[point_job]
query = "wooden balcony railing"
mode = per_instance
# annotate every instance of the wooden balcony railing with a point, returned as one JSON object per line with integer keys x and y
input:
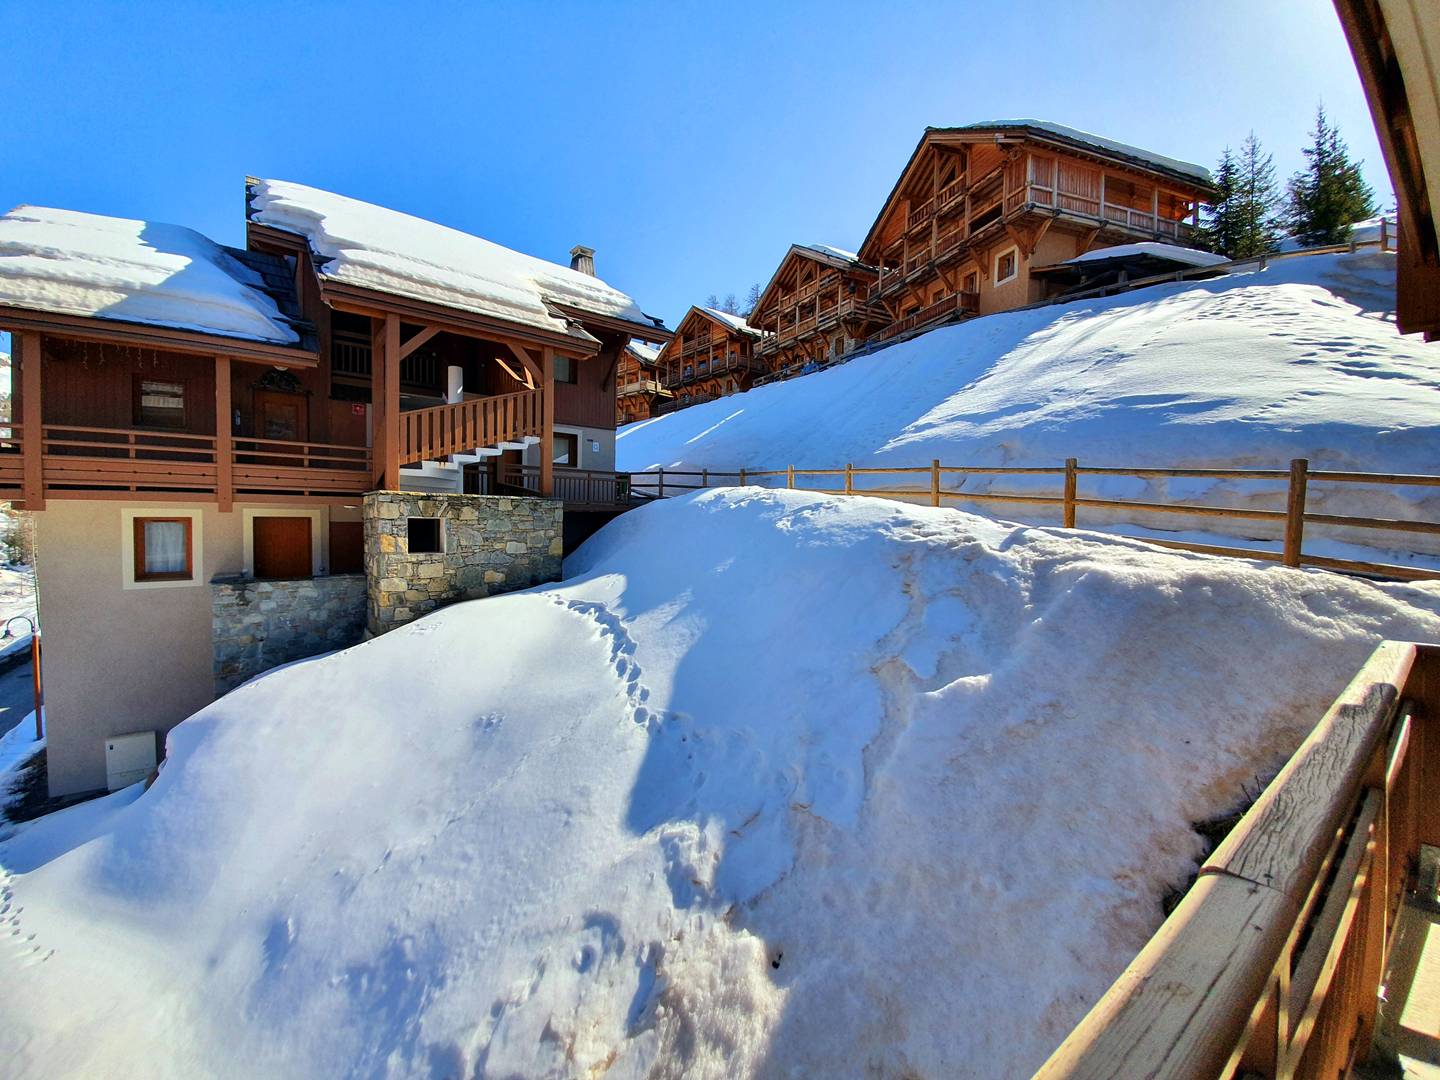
{"x": 1272, "y": 964}
{"x": 279, "y": 466}
{"x": 638, "y": 386}
{"x": 12, "y": 464}
{"x": 675, "y": 377}
{"x": 921, "y": 214}
{"x": 961, "y": 301}
{"x": 574, "y": 487}
{"x": 442, "y": 430}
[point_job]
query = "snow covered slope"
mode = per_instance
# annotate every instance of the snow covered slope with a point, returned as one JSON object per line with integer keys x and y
{"x": 1299, "y": 360}
{"x": 830, "y": 788}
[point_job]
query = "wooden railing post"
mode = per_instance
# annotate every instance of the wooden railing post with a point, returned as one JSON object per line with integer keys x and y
{"x": 1295, "y": 512}
{"x": 1071, "y": 465}
{"x": 790, "y": 476}
{"x": 935, "y": 482}
{"x": 742, "y": 477}
{"x": 32, "y": 431}
{"x": 849, "y": 478}
{"x": 704, "y": 478}
{"x": 547, "y": 423}
{"x": 224, "y": 432}
{"x": 660, "y": 482}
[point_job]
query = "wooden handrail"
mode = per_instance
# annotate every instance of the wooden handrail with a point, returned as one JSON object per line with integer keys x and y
{"x": 442, "y": 430}
{"x": 1272, "y": 962}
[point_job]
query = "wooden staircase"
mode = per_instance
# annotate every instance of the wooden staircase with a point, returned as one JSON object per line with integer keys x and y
{"x": 508, "y": 421}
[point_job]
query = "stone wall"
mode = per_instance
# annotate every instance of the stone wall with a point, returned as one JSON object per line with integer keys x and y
{"x": 490, "y": 544}
{"x": 258, "y": 625}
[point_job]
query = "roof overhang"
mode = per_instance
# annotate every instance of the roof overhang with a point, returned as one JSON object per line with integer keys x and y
{"x": 645, "y": 332}
{"x": 118, "y": 332}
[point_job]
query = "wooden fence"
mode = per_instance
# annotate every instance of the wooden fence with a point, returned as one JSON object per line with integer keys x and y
{"x": 1271, "y": 965}
{"x": 1292, "y": 517}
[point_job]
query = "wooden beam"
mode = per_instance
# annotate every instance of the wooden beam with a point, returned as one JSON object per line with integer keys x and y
{"x": 523, "y": 376}
{"x": 528, "y": 363}
{"x": 412, "y": 343}
{"x": 31, "y": 419}
{"x": 224, "y": 431}
{"x": 547, "y": 423}
{"x": 391, "y": 389}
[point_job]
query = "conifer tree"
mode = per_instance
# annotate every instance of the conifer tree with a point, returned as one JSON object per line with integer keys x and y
{"x": 1257, "y": 195}
{"x": 752, "y": 299}
{"x": 1217, "y": 233}
{"x": 713, "y": 302}
{"x": 731, "y": 306}
{"x": 1329, "y": 194}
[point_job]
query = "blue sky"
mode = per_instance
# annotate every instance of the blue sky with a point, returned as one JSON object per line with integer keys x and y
{"x": 689, "y": 144}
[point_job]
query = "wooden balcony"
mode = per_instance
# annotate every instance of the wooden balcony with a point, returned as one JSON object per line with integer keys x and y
{"x": 673, "y": 377}
{"x": 638, "y": 386}
{"x": 443, "y": 430}
{"x": 956, "y": 302}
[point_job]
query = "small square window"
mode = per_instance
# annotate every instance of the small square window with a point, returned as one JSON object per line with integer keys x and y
{"x": 565, "y": 450}
{"x": 164, "y": 550}
{"x": 1007, "y": 265}
{"x": 424, "y": 536}
{"x": 564, "y": 369}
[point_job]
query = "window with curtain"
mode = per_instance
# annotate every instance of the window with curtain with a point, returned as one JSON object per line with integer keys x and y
{"x": 163, "y": 549}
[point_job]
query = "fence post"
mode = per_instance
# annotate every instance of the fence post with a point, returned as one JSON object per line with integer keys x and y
{"x": 1384, "y": 233}
{"x": 849, "y": 478}
{"x": 660, "y": 483}
{"x": 742, "y": 477}
{"x": 790, "y": 476}
{"x": 704, "y": 478}
{"x": 1071, "y": 464}
{"x": 1295, "y": 511}
{"x": 934, "y": 481}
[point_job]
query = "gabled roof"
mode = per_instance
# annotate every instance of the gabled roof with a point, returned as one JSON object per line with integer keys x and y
{"x": 645, "y": 354}
{"x": 1184, "y": 172}
{"x": 65, "y": 262}
{"x": 836, "y": 258}
{"x": 733, "y": 323}
{"x": 359, "y": 244}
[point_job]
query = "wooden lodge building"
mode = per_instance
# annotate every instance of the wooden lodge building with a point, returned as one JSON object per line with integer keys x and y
{"x": 637, "y": 383}
{"x": 240, "y": 457}
{"x": 983, "y": 218}
{"x": 818, "y": 305}
{"x": 711, "y": 356}
{"x": 978, "y": 208}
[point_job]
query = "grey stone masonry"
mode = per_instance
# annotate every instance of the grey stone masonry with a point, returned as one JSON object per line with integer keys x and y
{"x": 258, "y": 625}
{"x": 488, "y": 544}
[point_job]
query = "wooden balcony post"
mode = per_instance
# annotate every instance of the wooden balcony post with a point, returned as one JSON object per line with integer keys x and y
{"x": 849, "y": 478}
{"x": 1295, "y": 512}
{"x": 547, "y": 423}
{"x": 32, "y": 421}
{"x": 224, "y": 430}
{"x": 392, "y": 403}
{"x": 1071, "y": 465}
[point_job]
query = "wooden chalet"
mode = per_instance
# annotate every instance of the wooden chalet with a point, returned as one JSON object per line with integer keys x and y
{"x": 819, "y": 304}
{"x": 975, "y": 207}
{"x": 711, "y": 356}
{"x": 186, "y": 412}
{"x": 637, "y": 383}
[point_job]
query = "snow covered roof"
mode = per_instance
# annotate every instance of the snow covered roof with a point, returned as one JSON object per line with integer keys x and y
{"x": 1149, "y": 158}
{"x": 833, "y": 252}
{"x": 646, "y": 354}
{"x": 358, "y": 243}
{"x": 735, "y": 322}
{"x": 1172, "y": 252}
{"x": 72, "y": 263}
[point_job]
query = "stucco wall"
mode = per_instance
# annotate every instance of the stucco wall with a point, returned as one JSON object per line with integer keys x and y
{"x": 120, "y": 659}
{"x": 601, "y": 460}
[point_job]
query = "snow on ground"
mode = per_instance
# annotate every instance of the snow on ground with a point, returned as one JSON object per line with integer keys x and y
{"x": 362, "y": 244}
{"x": 1299, "y": 360}
{"x": 773, "y": 784}
{"x": 137, "y": 271}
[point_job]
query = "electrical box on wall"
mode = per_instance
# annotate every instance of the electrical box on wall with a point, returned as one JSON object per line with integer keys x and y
{"x": 129, "y": 759}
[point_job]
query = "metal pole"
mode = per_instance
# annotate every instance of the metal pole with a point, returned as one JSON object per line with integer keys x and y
{"x": 35, "y": 677}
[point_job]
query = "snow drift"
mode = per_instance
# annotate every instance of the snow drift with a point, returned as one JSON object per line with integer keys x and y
{"x": 1299, "y": 360}
{"x": 774, "y": 784}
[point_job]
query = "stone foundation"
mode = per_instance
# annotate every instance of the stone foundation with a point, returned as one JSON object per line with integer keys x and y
{"x": 258, "y": 625}
{"x": 489, "y": 544}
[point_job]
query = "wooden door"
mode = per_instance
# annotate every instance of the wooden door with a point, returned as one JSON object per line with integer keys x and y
{"x": 282, "y": 416}
{"x": 347, "y": 547}
{"x": 282, "y": 547}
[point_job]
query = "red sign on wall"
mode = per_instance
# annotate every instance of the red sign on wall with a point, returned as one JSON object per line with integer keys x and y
{"x": 358, "y": 410}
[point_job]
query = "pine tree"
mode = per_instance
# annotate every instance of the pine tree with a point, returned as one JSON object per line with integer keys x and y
{"x": 1254, "y": 204}
{"x": 1329, "y": 194}
{"x": 1217, "y": 233}
{"x": 752, "y": 300}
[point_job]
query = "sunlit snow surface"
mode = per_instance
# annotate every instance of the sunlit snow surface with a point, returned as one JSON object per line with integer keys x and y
{"x": 773, "y": 784}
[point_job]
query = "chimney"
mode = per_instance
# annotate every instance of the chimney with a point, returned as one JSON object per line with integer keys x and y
{"x": 582, "y": 258}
